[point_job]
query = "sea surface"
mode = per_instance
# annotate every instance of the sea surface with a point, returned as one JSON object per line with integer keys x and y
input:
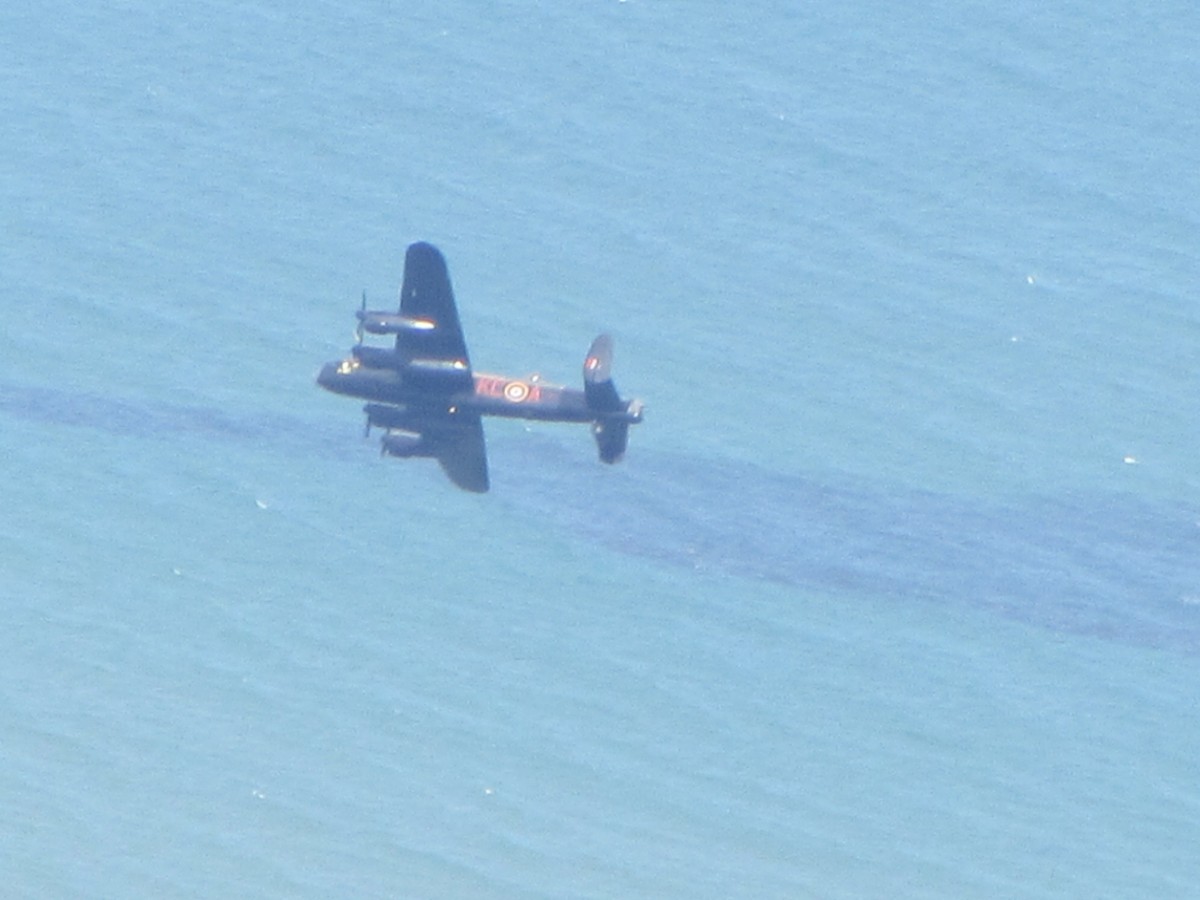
{"x": 896, "y": 594}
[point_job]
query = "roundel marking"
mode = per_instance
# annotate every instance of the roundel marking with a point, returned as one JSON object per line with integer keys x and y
{"x": 516, "y": 391}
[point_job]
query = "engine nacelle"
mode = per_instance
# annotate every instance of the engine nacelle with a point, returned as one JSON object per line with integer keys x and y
{"x": 405, "y": 444}
{"x": 447, "y": 375}
{"x": 377, "y": 322}
{"x": 381, "y": 415}
{"x": 377, "y": 357}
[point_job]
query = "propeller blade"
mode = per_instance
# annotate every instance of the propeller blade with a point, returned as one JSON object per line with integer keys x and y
{"x": 358, "y": 329}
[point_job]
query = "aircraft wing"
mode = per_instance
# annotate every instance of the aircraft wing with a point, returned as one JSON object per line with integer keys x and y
{"x": 426, "y": 294}
{"x": 453, "y": 438}
{"x": 463, "y": 454}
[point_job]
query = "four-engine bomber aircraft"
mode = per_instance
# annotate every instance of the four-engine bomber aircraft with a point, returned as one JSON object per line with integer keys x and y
{"x": 425, "y": 396}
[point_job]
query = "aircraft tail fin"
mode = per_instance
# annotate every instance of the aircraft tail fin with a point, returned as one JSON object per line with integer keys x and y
{"x": 598, "y": 385}
{"x": 613, "y": 415}
{"x": 612, "y": 437}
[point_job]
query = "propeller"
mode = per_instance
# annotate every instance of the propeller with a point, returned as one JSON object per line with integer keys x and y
{"x": 362, "y": 311}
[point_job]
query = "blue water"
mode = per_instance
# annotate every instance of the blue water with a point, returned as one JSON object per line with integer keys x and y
{"x": 896, "y": 594}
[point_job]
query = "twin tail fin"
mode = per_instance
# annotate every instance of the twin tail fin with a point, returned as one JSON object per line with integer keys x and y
{"x": 611, "y": 425}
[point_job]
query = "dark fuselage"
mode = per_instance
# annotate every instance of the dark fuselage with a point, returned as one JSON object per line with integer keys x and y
{"x": 459, "y": 390}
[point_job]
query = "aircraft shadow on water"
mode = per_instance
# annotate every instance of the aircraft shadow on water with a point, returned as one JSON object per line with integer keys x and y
{"x": 1107, "y": 565}
{"x": 424, "y": 395}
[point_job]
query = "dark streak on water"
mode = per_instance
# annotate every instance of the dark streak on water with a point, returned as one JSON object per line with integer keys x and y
{"x": 1110, "y": 566}
{"x": 163, "y": 420}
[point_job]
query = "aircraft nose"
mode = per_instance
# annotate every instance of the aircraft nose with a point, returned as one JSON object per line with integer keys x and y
{"x": 327, "y": 376}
